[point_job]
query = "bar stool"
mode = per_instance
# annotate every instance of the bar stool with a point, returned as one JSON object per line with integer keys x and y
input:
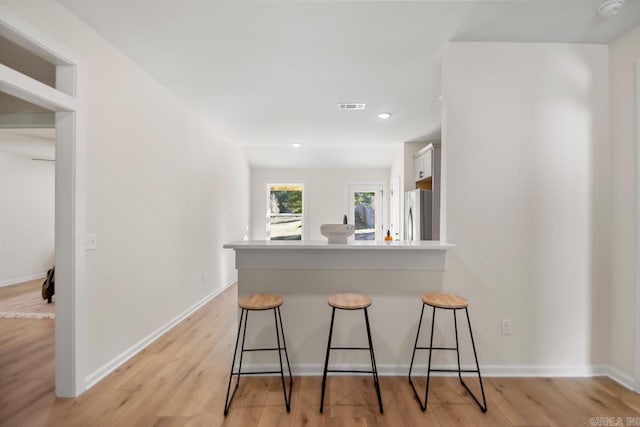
{"x": 454, "y": 303}
{"x": 259, "y": 302}
{"x": 350, "y": 302}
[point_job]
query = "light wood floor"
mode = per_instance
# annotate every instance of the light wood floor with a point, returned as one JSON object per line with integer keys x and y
{"x": 32, "y": 286}
{"x": 26, "y": 357}
{"x": 180, "y": 380}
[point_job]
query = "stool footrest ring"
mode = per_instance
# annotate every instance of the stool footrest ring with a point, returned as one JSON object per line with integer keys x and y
{"x": 437, "y": 348}
{"x": 350, "y": 348}
{"x": 255, "y": 373}
{"x": 349, "y": 371}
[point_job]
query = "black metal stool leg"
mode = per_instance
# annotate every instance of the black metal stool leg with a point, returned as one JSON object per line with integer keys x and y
{"x": 455, "y": 327}
{"x": 413, "y": 356}
{"x": 284, "y": 345}
{"x": 415, "y": 346}
{"x": 374, "y": 368}
{"x": 326, "y": 360}
{"x": 426, "y": 395}
{"x": 475, "y": 355}
{"x": 227, "y": 401}
{"x": 244, "y": 334}
{"x": 284, "y": 389}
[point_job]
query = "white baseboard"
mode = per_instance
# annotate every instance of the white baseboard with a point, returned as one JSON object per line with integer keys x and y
{"x": 383, "y": 369}
{"x": 543, "y": 371}
{"x": 22, "y": 279}
{"x": 111, "y": 366}
{"x": 622, "y": 379}
{"x": 486, "y": 370}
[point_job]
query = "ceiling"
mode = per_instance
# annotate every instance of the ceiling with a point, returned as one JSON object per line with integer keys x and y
{"x": 270, "y": 74}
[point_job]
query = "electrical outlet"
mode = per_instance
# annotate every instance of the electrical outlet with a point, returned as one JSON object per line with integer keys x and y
{"x": 505, "y": 327}
{"x": 90, "y": 242}
{"x": 204, "y": 276}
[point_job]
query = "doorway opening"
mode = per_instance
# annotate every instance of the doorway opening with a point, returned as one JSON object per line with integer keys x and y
{"x": 365, "y": 210}
{"x": 27, "y": 254}
{"x": 65, "y": 98}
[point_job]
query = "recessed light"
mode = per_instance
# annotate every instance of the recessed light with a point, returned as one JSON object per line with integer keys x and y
{"x": 296, "y": 145}
{"x": 440, "y": 98}
{"x": 384, "y": 115}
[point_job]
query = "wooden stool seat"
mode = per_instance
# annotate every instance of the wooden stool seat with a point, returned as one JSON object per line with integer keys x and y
{"x": 260, "y": 302}
{"x": 349, "y": 301}
{"x": 444, "y": 301}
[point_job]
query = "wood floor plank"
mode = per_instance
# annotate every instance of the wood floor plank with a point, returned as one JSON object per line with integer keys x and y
{"x": 407, "y": 407}
{"x": 586, "y": 403}
{"x": 513, "y": 408}
{"x": 452, "y": 415}
{"x": 181, "y": 380}
{"x": 31, "y": 286}
{"x": 273, "y": 416}
{"x": 551, "y": 406}
{"x": 307, "y": 398}
{"x": 617, "y": 391}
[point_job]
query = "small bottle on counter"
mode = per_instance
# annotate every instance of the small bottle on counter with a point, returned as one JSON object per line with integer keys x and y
{"x": 388, "y": 237}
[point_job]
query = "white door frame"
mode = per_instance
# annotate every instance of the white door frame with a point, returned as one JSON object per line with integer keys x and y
{"x": 395, "y": 208}
{"x": 637, "y": 243}
{"x": 67, "y": 100}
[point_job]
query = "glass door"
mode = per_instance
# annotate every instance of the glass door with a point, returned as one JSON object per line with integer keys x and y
{"x": 365, "y": 211}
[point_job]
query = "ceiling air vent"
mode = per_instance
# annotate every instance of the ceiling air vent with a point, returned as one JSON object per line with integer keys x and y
{"x": 351, "y": 106}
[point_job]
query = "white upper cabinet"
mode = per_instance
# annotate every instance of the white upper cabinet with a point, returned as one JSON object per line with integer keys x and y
{"x": 423, "y": 161}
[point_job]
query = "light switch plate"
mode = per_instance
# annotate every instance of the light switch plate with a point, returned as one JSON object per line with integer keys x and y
{"x": 90, "y": 242}
{"x": 506, "y": 327}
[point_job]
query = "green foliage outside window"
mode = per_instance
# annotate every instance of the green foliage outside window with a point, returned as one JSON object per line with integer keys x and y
{"x": 285, "y": 212}
{"x": 286, "y": 202}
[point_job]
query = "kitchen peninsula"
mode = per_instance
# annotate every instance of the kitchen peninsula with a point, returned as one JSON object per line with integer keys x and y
{"x": 305, "y": 273}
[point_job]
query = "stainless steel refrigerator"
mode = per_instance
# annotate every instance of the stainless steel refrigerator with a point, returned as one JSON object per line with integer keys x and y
{"x": 420, "y": 221}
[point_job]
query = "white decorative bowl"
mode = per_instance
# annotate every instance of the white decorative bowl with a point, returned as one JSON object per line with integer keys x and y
{"x": 337, "y": 233}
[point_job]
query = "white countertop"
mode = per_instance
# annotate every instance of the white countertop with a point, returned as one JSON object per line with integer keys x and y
{"x": 355, "y": 255}
{"x": 359, "y": 245}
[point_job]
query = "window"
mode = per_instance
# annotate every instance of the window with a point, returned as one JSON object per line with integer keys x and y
{"x": 284, "y": 212}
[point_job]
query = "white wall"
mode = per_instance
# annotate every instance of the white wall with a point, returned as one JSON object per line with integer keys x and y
{"x": 325, "y": 195}
{"x": 163, "y": 194}
{"x": 26, "y": 218}
{"x": 527, "y": 168}
{"x": 624, "y": 52}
